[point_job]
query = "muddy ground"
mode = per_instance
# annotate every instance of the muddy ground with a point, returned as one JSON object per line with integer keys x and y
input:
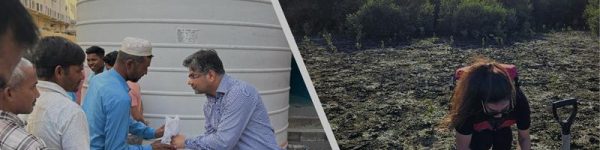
{"x": 395, "y": 97}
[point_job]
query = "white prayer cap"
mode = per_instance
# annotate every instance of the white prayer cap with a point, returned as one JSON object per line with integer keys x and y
{"x": 136, "y": 46}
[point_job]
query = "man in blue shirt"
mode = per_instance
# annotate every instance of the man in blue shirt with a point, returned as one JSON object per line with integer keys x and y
{"x": 95, "y": 60}
{"x": 107, "y": 103}
{"x": 235, "y": 115}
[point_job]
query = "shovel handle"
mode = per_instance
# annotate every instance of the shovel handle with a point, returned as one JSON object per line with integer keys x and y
{"x": 565, "y": 124}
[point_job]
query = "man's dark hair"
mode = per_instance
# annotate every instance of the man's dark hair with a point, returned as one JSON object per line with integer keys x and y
{"x": 111, "y": 58}
{"x": 95, "y": 50}
{"x": 53, "y": 51}
{"x": 15, "y": 18}
{"x": 204, "y": 60}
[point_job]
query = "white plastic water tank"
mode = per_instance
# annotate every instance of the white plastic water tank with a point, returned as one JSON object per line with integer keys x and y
{"x": 246, "y": 34}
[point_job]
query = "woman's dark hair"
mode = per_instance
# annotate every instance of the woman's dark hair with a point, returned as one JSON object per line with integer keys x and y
{"x": 53, "y": 51}
{"x": 485, "y": 81}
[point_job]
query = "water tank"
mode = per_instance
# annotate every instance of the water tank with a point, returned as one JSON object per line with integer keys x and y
{"x": 246, "y": 34}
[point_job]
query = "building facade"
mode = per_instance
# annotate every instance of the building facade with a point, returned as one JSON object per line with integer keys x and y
{"x": 53, "y": 17}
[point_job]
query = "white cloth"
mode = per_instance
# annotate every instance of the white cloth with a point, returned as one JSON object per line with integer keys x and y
{"x": 57, "y": 120}
{"x": 136, "y": 46}
{"x": 171, "y": 129}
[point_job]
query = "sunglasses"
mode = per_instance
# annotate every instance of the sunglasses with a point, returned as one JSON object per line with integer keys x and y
{"x": 491, "y": 112}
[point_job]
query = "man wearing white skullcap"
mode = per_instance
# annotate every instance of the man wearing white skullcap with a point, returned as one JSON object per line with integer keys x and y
{"x": 107, "y": 102}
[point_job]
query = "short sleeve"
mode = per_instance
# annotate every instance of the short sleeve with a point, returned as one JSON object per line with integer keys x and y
{"x": 522, "y": 111}
{"x": 134, "y": 93}
{"x": 465, "y": 128}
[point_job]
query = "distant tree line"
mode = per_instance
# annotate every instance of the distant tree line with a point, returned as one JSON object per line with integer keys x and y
{"x": 403, "y": 20}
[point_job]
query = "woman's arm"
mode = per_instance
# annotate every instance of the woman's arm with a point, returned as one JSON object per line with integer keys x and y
{"x": 462, "y": 141}
{"x": 524, "y": 140}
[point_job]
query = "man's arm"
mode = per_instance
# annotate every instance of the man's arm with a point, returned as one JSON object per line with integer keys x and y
{"x": 238, "y": 109}
{"x": 462, "y": 141}
{"x": 137, "y": 114}
{"x": 118, "y": 122}
{"x": 524, "y": 140}
{"x": 140, "y": 129}
{"x": 76, "y": 133}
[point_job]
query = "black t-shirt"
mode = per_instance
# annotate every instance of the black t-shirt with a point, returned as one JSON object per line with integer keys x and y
{"x": 487, "y": 132}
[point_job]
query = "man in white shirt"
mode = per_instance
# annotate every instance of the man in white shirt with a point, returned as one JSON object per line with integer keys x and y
{"x": 56, "y": 119}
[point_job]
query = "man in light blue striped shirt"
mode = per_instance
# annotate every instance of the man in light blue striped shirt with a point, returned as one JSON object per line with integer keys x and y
{"x": 235, "y": 115}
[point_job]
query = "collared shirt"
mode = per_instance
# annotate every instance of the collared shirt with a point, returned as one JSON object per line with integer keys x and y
{"x": 77, "y": 96}
{"x": 107, "y": 107}
{"x": 57, "y": 120}
{"x": 13, "y": 135}
{"x": 92, "y": 73}
{"x": 72, "y": 96}
{"x": 235, "y": 119}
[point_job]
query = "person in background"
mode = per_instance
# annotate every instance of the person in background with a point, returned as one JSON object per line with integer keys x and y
{"x": 95, "y": 61}
{"x": 137, "y": 110}
{"x": 485, "y": 104}
{"x": 18, "y": 97}
{"x": 109, "y": 59}
{"x": 17, "y": 33}
{"x": 95, "y": 55}
{"x": 56, "y": 119}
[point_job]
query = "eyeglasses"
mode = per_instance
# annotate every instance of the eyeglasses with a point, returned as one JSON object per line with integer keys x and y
{"x": 195, "y": 75}
{"x": 491, "y": 112}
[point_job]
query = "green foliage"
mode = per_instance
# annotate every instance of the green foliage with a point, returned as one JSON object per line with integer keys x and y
{"x": 592, "y": 16}
{"x": 380, "y": 19}
{"x": 476, "y": 19}
{"x": 306, "y": 44}
{"x": 392, "y": 20}
{"x": 368, "y": 22}
{"x": 329, "y": 40}
{"x": 357, "y": 45}
{"x": 558, "y": 14}
{"x": 309, "y": 17}
{"x": 447, "y": 9}
{"x": 518, "y": 24}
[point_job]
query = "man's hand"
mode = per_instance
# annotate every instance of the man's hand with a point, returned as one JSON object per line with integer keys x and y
{"x": 156, "y": 145}
{"x": 178, "y": 141}
{"x": 159, "y": 132}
